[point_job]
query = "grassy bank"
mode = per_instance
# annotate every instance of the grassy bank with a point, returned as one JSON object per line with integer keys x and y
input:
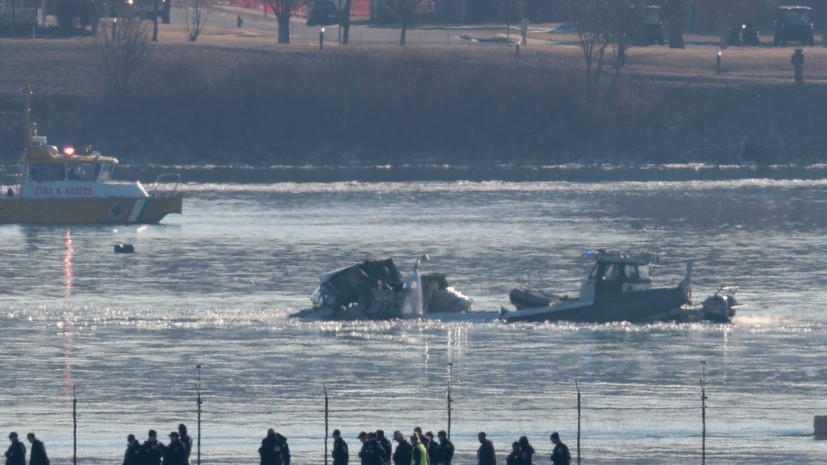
{"x": 241, "y": 99}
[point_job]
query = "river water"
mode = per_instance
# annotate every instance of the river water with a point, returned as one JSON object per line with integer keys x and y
{"x": 214, "y": 287}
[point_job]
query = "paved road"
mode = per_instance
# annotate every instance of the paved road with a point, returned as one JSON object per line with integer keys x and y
{"x": 359, "y": 33}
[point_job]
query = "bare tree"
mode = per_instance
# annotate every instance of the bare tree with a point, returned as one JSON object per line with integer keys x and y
{"x": 122, "y": 53}
{"x": 196, "y": 19}
{"x": 283, "y": 9}
{"x": 344, "y": 21}
{"x": 593, "y": 21}
{"x": 404, "y": 10}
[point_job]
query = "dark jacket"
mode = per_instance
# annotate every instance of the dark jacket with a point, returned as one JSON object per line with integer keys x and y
{"x": 402, "y": 454}
{"x": 152, "y": 452}
{"x": 285, "y": 451}
{"x": 560, "y": 455}
{"x": 37, "y": 455}
{"x": 187, "y": 442}
{"x": 433, "y": 452}
{"x": 372, "y": 453}
{"x": 16, "y": 454}
{"x": 485, "y": 454}
{"x": 513, "y": 458}
{"x": 175, "y": 454}
{"x": 270, "y": 451}
{"x": 340, "y": 454}
{"x": 526, "y": 453}
{"x": 446, "y": 452}
{"x": 386, "y": 446}
{"x": 132, "y": 454}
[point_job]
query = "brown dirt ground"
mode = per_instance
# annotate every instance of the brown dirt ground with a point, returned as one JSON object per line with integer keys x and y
{"x": 62, "y": 72}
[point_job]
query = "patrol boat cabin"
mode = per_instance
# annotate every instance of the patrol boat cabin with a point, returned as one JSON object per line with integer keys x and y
{"x": 618, "y": 288}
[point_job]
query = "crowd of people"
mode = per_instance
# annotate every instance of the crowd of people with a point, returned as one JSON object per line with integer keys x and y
{"x": 423, "y": 449}
{"x": 16, "y": 453}
{"x": 416, "y": 449}
{"x": 154, "y": 452}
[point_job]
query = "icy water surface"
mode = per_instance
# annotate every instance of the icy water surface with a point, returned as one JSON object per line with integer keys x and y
{"x": 215, "y": 287}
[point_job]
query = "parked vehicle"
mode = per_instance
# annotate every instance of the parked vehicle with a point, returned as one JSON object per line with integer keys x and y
{"x": 794, "y": 24}
{"x": 652, "y": 25}
{"x": 322, "y": 13}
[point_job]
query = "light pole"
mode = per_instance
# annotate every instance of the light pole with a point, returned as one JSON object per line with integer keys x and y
{"x": 321, "y": 38}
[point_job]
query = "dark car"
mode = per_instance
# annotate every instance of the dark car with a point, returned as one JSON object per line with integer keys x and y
{"x": 794, "y": 24}
{"x": 322, "y": 13}
{"x": 743, "y": 35}
{"x": 652, "y": 25}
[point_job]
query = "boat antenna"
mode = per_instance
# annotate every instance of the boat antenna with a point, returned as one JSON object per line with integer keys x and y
{"x": 27, "y": 93}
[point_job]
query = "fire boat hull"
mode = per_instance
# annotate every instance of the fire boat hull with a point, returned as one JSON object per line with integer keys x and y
{"x": 113, "y": 210}
{"x": 635, "y": 307}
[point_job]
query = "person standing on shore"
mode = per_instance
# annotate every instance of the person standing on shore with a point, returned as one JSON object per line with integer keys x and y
{"x": 153, "y": 450}
{"x": 386, "y": 445}
{"x": 186, "y": 439}
{"x": 526, "y": 451}
{"x": 340, "y": 453}
{"x": 560, "y": 455}
{"x": 445, "y": 448}
{"x": 514, "y": 457}
{"x": 363, "y": 436}
{"x": 176, "y": 451}
{"x": 285, "y": 449}
{"x": 372, "y": 453}
{"x": 402, "y": 454}
{"x": 132, "y": 454}
{"x": 16, "y": 453}
{"x": 37, "y": 455}
{"x": 485, "y": 454}
{"x": 433, "y": 449}
{"x": 270, "y": 450}
{"x": 419, "y": 456}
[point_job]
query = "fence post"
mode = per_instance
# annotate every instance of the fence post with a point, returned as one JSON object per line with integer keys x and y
{"x": 578, "y": 421}
{"x": 199, "y": 402}
{"x": 74, "y": 427}
{"x": 450, "y": 376}
{"x": 703, "y": 413}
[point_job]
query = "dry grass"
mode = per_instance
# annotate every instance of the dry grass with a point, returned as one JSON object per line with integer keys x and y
{"x": 238, "y": 91}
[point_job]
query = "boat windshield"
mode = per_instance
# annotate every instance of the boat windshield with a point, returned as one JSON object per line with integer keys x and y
{"x": 612, "y": 272}
{"x": 83, "y": 172}
{"x": 636, "y": 272}
{"x": 643, "y": 271}
{"x": 47, "y": 172}
{"x": 106, "y": 171}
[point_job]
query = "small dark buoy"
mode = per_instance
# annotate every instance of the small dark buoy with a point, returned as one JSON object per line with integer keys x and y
{"x": 124, "y": 248}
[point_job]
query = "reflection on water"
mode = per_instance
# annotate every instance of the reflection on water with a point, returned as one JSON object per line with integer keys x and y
{"x": 215, "y": 286}
{"x": 68, "y": 273}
